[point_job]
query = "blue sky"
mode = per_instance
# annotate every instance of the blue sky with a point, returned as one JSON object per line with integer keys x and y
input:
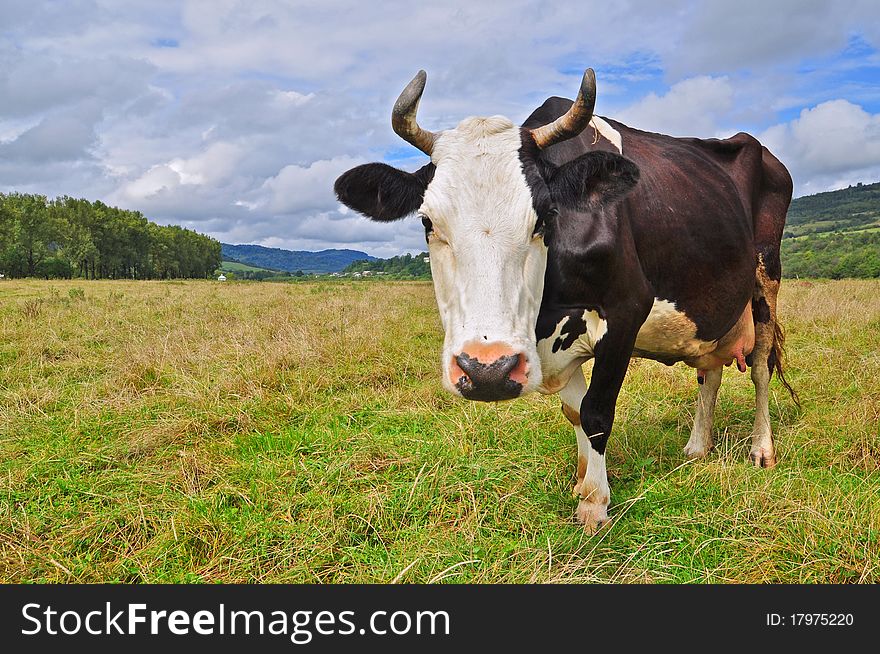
{"x": 234, "y": 118}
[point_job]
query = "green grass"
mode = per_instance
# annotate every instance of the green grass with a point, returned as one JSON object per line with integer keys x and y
{"x": 203, "y": 432}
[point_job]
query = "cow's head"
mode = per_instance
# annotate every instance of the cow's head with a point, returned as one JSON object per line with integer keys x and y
{"x": 488, "y": 203}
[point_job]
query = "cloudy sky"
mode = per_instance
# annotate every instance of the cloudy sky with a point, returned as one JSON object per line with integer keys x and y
{"x": 234, "y": 118}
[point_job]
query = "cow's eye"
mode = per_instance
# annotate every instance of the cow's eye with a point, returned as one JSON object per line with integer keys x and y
{"x": 539, "y": 227}
{"x": 541, "y": 223}
{"x": 429, "y": 226}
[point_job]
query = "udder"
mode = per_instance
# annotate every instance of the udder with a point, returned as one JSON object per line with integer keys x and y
{"x": 668, "y": 335}
{"x": 735, "y": 345}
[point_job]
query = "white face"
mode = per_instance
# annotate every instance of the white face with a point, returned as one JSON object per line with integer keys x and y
{"x": 487, "y": 265}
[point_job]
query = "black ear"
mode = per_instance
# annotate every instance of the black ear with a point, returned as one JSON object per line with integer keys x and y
{"x": 593, "y": 179}
{"x": 381, "y": 192}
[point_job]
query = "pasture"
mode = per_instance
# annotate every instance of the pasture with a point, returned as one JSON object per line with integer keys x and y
{"x": 244, "y": 432}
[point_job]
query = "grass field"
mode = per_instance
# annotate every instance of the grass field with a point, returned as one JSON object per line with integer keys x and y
{"x": 243, "y": 432}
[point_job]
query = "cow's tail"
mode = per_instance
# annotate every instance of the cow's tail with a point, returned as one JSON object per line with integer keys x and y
{"x": 776, "y": 360}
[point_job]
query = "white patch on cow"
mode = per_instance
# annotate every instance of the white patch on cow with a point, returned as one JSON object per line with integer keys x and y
{"x": 558, "y": 366}
{"x": 668, "y": 331}
{"x": 545, "y": 345}
{"x": 596, "y": 328}
{"x": 488, "y": 269}
{"x": 608, "y": 132}
{"x": 668, "y": 334}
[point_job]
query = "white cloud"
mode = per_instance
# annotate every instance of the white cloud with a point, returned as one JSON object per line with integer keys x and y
{"x": 691, "y": 107}
{"x": 833, "y": 144}
{"x": 58, "y": 137}
{"x": 235, "y": 117}
{"x": 304, "y": 189}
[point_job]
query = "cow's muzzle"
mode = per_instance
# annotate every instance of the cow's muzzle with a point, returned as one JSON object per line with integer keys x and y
{"x": 489, "y": 372}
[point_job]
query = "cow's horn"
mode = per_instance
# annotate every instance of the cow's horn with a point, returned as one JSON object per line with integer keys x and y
{"x": 575, "y": 120}
{"x": 403, "y": 116}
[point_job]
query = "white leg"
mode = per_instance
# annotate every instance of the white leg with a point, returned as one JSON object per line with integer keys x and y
{"x": 701, "y": 435}
{"x": 592, "y": 479}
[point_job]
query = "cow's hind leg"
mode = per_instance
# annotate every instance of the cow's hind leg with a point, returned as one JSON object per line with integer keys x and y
{"x": 763, "y": 359}
{"x": 766, "y": 357}
{"x": 700, "y": 441}
{"x": 592, "y": 479}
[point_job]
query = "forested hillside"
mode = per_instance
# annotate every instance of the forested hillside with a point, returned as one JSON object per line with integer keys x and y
{"x": 405, "y": 265}
{"x": 834, "y": 234}
{"x": 69, "y": 237}
{"x": 325, "y": 261}
{"x": 848, "y": 209}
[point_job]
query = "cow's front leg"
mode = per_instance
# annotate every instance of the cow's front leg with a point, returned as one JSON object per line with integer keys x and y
{"x": 612, "y": 355}
{"x": 591, "y": 482}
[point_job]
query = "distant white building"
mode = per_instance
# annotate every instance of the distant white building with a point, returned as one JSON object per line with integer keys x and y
{"x": 427, "y": 259}
{"x": 221, "y": 278}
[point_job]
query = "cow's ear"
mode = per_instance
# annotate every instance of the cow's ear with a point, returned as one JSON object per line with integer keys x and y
{"x": 381, "y": 192}
{"x": 594, "y": 179}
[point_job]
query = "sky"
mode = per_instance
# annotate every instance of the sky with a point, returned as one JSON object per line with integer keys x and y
{"x": 234, "y": 118}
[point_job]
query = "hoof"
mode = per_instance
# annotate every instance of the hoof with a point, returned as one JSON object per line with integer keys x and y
{"x": 762, "y": 458}
{"x": 592, "y": 515}
{"x": 697, "y": 450}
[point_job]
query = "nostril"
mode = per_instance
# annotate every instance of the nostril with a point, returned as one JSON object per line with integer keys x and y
{"x": 506, "y": 364}
{"x": 467, "y": 364}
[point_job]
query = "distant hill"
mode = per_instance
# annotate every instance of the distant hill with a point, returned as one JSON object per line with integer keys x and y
{"x": 325, "y": 261}
{"x": 227, "y": 265}
{"x": 237, "y": 270}
{"x": 848, "y": 209}
{"x": 834, "y": 234}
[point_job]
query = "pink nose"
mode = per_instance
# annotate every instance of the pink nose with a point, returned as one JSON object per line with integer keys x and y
{"x": 489, "y": 371}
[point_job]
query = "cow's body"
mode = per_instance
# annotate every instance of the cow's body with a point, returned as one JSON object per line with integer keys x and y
{"x": 687, "y": 269}
{"x": 683, "y": 250}
{"x": 658, "y": 247}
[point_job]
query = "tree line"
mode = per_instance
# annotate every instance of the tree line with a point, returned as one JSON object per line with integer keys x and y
{"x": 835, "y": 256}
{"x": 405, "y": 265}
{"x": 70, "y": 237}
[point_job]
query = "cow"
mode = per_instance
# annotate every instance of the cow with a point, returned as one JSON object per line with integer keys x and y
{"x": 575, "y": 237}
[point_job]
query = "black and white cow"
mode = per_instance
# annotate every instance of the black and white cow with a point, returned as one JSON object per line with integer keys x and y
{"x": 575, "y": 237}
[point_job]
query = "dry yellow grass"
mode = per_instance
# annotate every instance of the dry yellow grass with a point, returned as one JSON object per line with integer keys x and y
{"x": 169, "y": 431}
